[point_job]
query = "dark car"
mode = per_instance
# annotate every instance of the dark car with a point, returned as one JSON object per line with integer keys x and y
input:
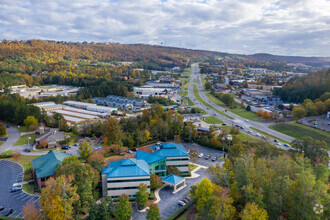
{"x": 237, "y": 126}
{"x": 8, "y": 212}
{"x": 207, "y": 157}
{"x": 242, "y": 127}
{"x": 2, "y": 207}
{"x": 286, "y": 145}
{"x": 224, "y": 124}
{"x": 65, "y": 148}
{"x": 275, "y": 140}
{"x": 15, "y": 189}
{"x": 7, "y": 126}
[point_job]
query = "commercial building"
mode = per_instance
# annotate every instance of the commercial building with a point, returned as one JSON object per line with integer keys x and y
{"x": 45, "y": 166}
{"x": 125, "y": 176}
{"x": 175, "y": 155}
{"x": 90, "y": 107}
{"x": 53, "y": 136}
{"x": 43, "y": 91}
{"x": 120, "y": 102}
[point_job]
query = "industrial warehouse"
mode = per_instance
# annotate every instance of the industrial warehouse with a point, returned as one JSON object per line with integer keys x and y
{"x": 75, "y": 112}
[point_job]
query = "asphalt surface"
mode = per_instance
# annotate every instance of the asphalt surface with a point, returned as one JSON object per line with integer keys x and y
{"x": 236, "y": 119}
{"x": 13, "y": 135}
{"x": 206, "y": 151}
{"x": 13, "y": 173}
{"x": 169, "y": 201}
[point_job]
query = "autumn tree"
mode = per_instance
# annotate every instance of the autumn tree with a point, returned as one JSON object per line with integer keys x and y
{"x": 97, "y": 161}
{"x": 203, "y": 191}
{"x": 259, "y": 112}
{"x": 85, "y": 180}
{"x": 298, "y": 112}
{"x": 155, "y": 182}
{"x": 70, "y": 160}
{"x": 17, "y": 154}
{"x": 30, "y": 211}
{"x": 3, "y": 131}
{"x": 172, "y": 170}
{"x": 85, "y": 150}
{"x": 57, "y": 198}
{"x": 123, "y": 209}
{"x": 141, "y": 196}
{"x": 265, "y": 115}
{"x": 30, "y": 121}
{"x": 43, "y": 143}
{"x": 101, "y": 210}
{"x": 252, "y": 211}
{"x": 193, "y": 155}
{"x": 153, "y": 213}
{"x": 320, "y": 107}
{"x": 313, "y": 149}
{"x": 208, "y": 85}
{"x": 112, "y": 131}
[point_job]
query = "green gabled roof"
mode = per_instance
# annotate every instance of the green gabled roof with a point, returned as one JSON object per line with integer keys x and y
{"x": 46, "y": 165}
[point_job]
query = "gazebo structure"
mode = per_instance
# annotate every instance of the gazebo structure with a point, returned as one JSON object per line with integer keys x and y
{"x": 177, "y": 182}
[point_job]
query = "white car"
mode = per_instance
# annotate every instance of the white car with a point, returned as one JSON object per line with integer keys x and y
{"x": 249, "y": 131}
{"x": 247, "y": 120}
{"x": 257, "y": 134}
{"x": 200, "y": 155}
{"x": 279, "y": 144}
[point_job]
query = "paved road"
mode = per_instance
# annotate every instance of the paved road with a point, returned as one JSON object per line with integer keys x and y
{"x": 13, "y": 135}
{"x": 169, "y": 201}
{"x": 13, "y": 173}
{"x": 236, "y": 119}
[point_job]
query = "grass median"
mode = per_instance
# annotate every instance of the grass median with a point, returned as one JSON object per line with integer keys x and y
{"x": 269, "y": 135}
{"x": 212, "y": 120}
{"x": 238, "y": 111}
{"x": 208, "y": 105}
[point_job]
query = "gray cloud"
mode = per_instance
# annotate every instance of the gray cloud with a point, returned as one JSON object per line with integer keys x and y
{"x": 287, "y": 27}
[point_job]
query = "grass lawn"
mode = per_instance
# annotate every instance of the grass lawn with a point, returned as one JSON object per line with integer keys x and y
{"x": 25, "y": 161}
{"x": 242, "y": 136}
{"x": 296, "y": 130}
{"x": 208, "y": 105}
{"x": 73, "y": 138}
{"x": 183, "y": 92}
{"x": 1, "y": 142}
{"x": 28, "y": 188}
{"x": 190, "y": 103}
{"x": 192, "y": 166}
{"x": 238, "y": 111}
{"x": 23, "y": 128}
{"x": 202, "y": 112}
{"x": 195, "y": 81}
{"x": 212, "y": 120}
{"x": 24, "y": 139}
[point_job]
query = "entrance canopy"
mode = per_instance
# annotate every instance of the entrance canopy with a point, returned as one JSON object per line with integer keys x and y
{"x": 177, "y": 182}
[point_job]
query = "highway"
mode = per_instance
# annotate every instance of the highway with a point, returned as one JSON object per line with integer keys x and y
{"x": 230, "y": 122}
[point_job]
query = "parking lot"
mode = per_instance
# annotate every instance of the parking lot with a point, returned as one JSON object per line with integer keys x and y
{"x": 206, "y": 151}
{"x": 14, "y": 200}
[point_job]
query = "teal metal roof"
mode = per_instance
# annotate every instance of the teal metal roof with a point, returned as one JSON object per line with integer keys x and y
{"x": 169, "y": 150}
{"x": 174, "y": 179}
{"x": 148, "y": 157}
{"x": 46, "y": 165}
{"x": 127, "y": 168}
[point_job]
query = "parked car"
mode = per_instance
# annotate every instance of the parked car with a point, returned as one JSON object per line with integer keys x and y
{"x": 286, "y": 145}
{"x": 181, "y": 203}
{"x": 129, "y": 151}
{"x": 279, "y": 144}
{"x": 2, "y": 207}
{"x": 15, "y": 189}
{"x": 275, "y": 140}
{"x": 214, "y": 158}
{"x": 237, "y": 126}
{"x": 207, "y": 157}
{"x": 200, "y": 155}
{"x": 257, "y": 134}
{"x": 8, "y": 212}
{"x": 188, "y": 151}
{"x": 7, "y": 126}
{"x": 224, "y": 124}
{"x": 65, "y": 147}
{"x": 242, "y": 127}
{"x": 250, "y": 131}
{"x": 247, "y": 120}
{"x": 186, "y": 200}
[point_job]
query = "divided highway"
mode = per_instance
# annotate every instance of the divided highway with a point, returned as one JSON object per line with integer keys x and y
{"x": 236, "y": 119}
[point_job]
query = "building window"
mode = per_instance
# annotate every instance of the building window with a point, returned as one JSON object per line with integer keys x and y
{"x": 121, "y": 181}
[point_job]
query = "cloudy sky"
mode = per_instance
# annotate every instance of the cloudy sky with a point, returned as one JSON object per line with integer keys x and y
{"x": 285, "y": 27}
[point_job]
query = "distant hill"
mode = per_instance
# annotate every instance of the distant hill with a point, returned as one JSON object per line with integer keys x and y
{"x": 289, "y": 59}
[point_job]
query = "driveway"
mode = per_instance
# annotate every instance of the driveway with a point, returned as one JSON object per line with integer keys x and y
{"x": 13, "y": 173}
{"x": 13, "y": 135}
{"x": 169, "y": 201}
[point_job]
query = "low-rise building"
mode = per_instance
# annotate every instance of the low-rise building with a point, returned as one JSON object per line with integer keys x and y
{"x": 52, "y": 135}
{"x": 125, "y": 176}
{"x": 120, "y": 102}
{"x": 45, "y": 166}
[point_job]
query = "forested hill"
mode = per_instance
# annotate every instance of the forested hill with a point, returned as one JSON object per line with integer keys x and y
{"x": 311, "y": 86}
{"x": 290, "y": 59}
